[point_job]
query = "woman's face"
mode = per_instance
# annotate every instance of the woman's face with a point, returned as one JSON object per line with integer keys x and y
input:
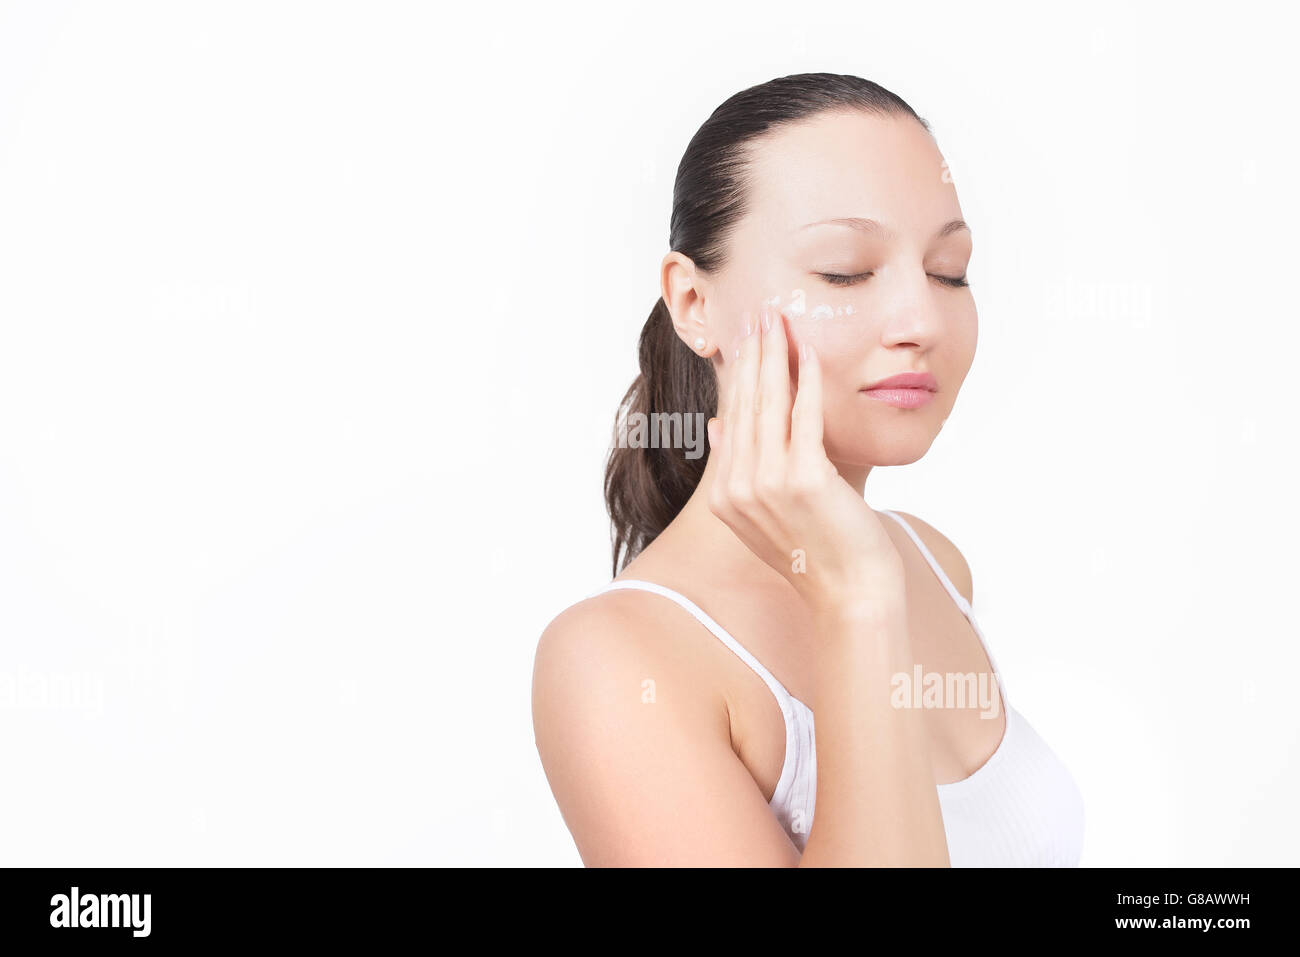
{"x": 869, "y": 199}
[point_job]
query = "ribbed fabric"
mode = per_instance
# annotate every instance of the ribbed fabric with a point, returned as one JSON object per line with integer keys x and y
{"x": 1021, "y": 808}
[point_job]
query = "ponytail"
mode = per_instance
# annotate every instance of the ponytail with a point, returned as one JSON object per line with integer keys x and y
{"x": 645, "y": 487}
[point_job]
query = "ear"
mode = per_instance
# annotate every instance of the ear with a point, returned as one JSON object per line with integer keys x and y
{"x": 680, "y": 284}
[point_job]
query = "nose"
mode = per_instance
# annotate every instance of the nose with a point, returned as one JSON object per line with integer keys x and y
{"x": 912, "y": 316}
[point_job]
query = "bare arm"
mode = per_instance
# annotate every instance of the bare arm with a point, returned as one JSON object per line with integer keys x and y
{"x": 645, "y": 775}
{"x": 877, "y": 804}
{"x": 641, "y": 779}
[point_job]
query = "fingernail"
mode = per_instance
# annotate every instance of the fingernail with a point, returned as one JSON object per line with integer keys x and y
{"x": 765, "y": 316}
{"x": 805, "y": 351}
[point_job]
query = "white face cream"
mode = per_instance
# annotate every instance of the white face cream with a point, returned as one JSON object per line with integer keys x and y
{"x": 830, "y": 328}
{"x": 796, "y": 307}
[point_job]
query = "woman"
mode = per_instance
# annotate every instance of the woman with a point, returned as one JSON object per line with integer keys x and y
{"x": 815, "y": 307}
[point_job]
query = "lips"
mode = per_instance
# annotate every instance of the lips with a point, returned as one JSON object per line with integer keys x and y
{"x": 906, "y": 380}
{"x": 907, "y": 390}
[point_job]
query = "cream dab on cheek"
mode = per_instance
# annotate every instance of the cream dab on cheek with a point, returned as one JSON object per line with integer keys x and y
{"x": 797, "y": 307}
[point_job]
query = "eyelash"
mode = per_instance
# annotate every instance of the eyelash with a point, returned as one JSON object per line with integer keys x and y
{"x": 958, "y": 282}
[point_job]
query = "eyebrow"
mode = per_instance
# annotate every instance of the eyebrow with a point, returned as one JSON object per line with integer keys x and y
{"x": 871, "y": 226}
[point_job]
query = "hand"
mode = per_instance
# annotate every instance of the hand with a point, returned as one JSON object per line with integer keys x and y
{"x": 781, "y": 495}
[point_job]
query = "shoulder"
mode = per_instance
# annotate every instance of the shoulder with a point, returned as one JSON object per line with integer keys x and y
{"x": 635, "y": 742}
{"x": 600, "y": 660}
{"x": 608, "y": 632}
{"x": 945, "y": 552}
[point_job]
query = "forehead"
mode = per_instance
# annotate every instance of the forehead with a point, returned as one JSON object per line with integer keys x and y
{"x": 850, "y": 164}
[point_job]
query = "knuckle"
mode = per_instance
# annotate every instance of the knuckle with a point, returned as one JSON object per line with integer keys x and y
{"x": 741, "y": 493}
{"x": 801, "y": 491}
{"x": 719, "y": 503}
{"x": 805, "y": 486}
{"x": 768, "y": 486}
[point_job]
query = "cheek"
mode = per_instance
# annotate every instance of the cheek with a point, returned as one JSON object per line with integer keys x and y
{"x": 833, "y": 327}
{"x": 837, "y": 337}
{"x": 961, "y": 342}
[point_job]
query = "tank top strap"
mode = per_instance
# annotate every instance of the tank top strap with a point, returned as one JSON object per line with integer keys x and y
{"x": 962, "y": 604}
{"x": 957, "y": 596}
{"x": 783, "y": 697}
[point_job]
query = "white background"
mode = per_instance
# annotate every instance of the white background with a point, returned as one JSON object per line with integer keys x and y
{"x": 314, "y": 318}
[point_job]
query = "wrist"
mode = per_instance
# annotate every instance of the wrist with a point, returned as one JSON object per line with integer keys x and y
{"x": 861, "y": 612}
{"x": 867, "y": 600}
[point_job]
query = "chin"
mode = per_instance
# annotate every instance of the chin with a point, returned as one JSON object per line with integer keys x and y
{"x": 880, "y": 444}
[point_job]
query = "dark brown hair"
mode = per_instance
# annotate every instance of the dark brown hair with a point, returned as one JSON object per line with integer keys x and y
{"x": 645, "y": 488}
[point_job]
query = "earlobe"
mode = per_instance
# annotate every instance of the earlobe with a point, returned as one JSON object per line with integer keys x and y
{"x": 693, "y": 333}
{"x": 681, "y": 298}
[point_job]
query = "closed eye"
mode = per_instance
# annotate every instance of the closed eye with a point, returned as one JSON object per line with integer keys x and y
{"x": 956, "y": 282}
{"x": 837, "y": 280}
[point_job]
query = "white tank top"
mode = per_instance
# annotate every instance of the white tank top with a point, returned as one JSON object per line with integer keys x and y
{"x": 1021, "y": 808}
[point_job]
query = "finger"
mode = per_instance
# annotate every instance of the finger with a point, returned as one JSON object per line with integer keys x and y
{"x": 714, "y": 429}
{"x": 719, "y": 456}
{"x": 806, "y": 439}
{"x": 720, "y": 501}
{"x": 774, "y": 391}
{"x": 740, "y": 425}
{"x": 728, "y": 397}
{"x": 718, "y": 448}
